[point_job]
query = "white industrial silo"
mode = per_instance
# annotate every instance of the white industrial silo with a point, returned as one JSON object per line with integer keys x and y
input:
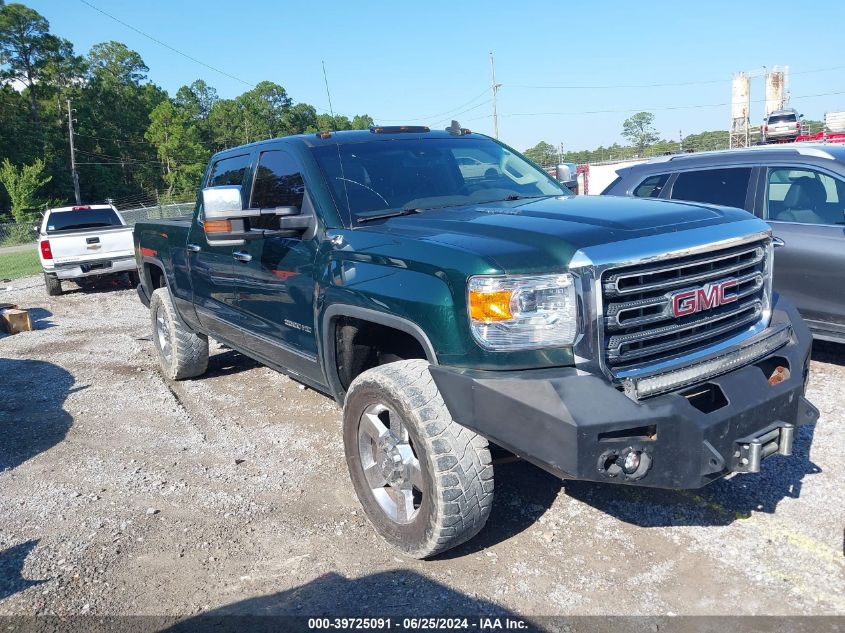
{"x": 740, "y": 104}
{"x": 775, "y": 90}
{"x": 740, "y": 96}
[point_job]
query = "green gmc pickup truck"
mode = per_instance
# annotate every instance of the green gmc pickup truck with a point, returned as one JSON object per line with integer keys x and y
{"x": 450, "y": 295}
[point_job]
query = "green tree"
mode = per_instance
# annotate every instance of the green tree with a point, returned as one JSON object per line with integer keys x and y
{"x": 178, "y": 145}
{"x": 27, "y": 48}
{"x": 22, "y": 184}
{"x": 226, "y": 124}
{"x": 113, "y": 114}
{"x": 543, "y": 154}
{"x": 337, "y": 123}
{"x": 362, "y": 122}
{"x": 301, "y": 117}
{"x": 640, "y": 131}
{"x": 197, "y": 100}
{"x": 263, "y": 111}
{"x": 114, "y": 62}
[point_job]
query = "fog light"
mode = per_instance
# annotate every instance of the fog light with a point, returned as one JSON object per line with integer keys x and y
{"x": 631, "y": 463}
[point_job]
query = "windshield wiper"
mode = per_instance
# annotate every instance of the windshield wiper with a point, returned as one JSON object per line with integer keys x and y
{"x": 516, "y": 196}
{"x": 387, "y": 214}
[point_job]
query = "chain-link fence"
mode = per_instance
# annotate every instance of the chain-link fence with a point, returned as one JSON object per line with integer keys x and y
{"x": 17, "y": 233}
{"x": 22, "y": 233}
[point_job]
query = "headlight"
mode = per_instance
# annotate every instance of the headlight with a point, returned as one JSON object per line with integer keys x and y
{"x": 522, "y": 311}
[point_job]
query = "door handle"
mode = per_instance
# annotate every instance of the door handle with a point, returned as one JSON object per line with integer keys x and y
{"x": 778, "y": 243}
{"x": 193, "y": 248}
{"x": 241, "y": 256}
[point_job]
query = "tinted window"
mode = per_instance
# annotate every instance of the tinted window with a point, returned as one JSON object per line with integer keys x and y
{"x": 651, "y": 186}
{"x": 278, "y": 182}
{"x": 804, "y": 195}
{"x": 417, "y": 173}
{"x": 782, "y": 118}
{"x": 82, "y": 219}
{"x": 714, "y": 186}
{"x": 229, "y": 171}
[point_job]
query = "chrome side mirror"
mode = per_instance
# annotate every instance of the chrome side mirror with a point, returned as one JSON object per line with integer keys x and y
{"x": 225, "y": 202}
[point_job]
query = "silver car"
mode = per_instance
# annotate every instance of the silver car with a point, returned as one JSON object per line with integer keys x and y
{"x": 781, "y": 125}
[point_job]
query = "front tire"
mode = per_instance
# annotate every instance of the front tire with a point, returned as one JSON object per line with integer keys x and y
{"x": 53, "y": 285}
{"x": 424, "y": 481}
{"x": 181, "y": 352}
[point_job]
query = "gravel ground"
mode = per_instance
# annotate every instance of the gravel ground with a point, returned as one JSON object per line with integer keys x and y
{"x": 121, "y": 493}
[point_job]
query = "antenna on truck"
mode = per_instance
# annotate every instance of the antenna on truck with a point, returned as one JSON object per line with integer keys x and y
{"x": 339, "y": 157}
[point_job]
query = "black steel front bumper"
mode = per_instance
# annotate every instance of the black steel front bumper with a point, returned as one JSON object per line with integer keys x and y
{"x": 581, "y": 426}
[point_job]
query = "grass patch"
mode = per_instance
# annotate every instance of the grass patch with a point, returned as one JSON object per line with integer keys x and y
{"x": 19, "y": 264}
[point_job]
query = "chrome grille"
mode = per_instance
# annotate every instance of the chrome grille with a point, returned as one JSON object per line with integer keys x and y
{"x": 639, "y": 325}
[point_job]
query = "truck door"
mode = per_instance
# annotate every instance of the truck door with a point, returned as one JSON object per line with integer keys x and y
{"x": 276, "y": 274}
{"x": 806, "y": 210}
{"x": 213, "y": 267}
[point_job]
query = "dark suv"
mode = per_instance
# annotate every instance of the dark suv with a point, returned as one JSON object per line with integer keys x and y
{"x": 799, "y": 190}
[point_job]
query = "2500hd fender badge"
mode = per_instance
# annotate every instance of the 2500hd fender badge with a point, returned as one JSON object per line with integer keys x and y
{"x": 705, "y": 298}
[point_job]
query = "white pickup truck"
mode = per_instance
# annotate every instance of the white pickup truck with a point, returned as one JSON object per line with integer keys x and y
{"x": 85, "y": 241}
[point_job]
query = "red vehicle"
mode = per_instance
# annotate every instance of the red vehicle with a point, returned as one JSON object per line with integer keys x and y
{"x": 825, "y": 137}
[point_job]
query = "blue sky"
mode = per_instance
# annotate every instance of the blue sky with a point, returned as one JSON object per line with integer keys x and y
{"x": 425, "y": 62}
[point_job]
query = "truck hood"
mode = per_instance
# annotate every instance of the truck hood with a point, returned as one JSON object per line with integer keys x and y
{"x": 539, "y": 235}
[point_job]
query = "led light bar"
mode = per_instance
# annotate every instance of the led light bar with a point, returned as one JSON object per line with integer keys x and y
{"x": 660, "y": 383}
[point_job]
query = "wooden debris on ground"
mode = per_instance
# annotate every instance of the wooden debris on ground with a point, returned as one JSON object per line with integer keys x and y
{"x": 13, "y": 320}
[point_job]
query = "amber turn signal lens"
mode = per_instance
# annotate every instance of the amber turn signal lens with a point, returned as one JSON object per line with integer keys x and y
{"x": 218, "y": 226}
{"x": 490, "y": 306}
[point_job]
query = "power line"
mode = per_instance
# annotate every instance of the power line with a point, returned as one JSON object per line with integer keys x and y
{"x": 655, "y": 109}
{"x": 243, "y": 81}
{"x": 475, "y": 107}
{"x": 168, "y": 46}
{"x": 656, "y": 85}
{"x": 119, "y": 159}
{"x": 114, "y": 140}
{"x": 439, "y": 114}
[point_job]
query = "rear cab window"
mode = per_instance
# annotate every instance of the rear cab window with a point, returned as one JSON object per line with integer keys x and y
{"x": 725, "y": 186}
{"x": 81, "y": 219}
{"x": 278, "y": 182}
{"x": 782, "y": 118}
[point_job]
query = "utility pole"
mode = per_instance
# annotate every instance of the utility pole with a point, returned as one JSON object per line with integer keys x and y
{"x": 494, "y": 87}
{"x": 73, "y": 171}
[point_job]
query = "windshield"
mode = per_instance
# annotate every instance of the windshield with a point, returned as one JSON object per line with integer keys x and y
{"x": 81, "y": 219}
{"x": 383, "y": 176}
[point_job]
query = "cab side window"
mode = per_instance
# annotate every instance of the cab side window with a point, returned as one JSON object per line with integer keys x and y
{"x": 229, "y": 171}
{"x": 727, "y": 186}
{"x": 278, "y": 183}
{"x": 804, "y": 196}
{"x": 226, "y": 171}
{"x": 651, "y": 186}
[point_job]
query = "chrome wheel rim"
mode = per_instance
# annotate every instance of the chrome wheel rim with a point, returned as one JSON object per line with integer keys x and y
{"x": 391, "y": 467}
{"x": 163, "y": 333}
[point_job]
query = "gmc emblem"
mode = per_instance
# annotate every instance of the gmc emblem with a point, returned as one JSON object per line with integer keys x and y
{"x": 705, "y": 298}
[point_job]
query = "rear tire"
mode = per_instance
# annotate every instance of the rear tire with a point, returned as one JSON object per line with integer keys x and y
{"x": 181, "y": 352}
{"x": 424, "y": 481}
{"x": 53, "y": 284}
